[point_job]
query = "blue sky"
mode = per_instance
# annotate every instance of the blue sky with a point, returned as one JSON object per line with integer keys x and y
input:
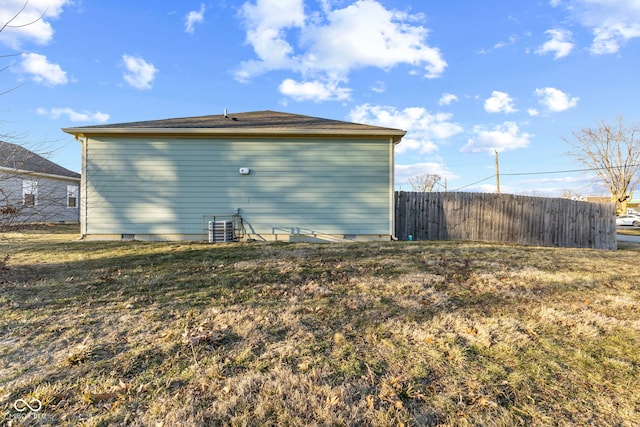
{"x": 464, "y": 79}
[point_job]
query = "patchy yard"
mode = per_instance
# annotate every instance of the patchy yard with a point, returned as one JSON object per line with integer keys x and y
{"x": 413, "y": 333}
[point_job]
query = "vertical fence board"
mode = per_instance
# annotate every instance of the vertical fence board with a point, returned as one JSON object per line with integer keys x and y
{"x": 505, "y": 218}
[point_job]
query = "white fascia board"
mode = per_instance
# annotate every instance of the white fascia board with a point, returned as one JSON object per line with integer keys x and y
{"x": 32, "y": 173}
{"x": 267, "y": 132}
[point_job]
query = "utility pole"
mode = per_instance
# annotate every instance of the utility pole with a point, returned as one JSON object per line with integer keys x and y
{"x": 497, "y": 173}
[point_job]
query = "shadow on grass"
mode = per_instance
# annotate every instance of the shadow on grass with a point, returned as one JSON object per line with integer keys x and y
{"x": 190, "y": 275}
{"x": 100, "y": 324}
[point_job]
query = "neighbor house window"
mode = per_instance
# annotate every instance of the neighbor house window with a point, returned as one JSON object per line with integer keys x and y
{"x": 30, "y": 192}
{"x": 72, "y": 196}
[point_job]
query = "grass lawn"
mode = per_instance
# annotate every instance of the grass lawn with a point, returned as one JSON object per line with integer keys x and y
{"x": 397, "y": 333}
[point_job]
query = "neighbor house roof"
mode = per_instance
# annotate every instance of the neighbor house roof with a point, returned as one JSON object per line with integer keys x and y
{"x": 251, "y": 123}
{"x": 20, "y": 160}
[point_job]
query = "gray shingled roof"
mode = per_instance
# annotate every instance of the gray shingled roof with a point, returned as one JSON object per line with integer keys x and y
{"x": 251, "y": 121}
{"x": 15, "y": 157}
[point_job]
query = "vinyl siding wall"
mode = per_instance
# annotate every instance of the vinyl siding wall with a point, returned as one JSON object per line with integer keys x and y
{"x": 51, "y": 200}
{"x": 296, "y": 186}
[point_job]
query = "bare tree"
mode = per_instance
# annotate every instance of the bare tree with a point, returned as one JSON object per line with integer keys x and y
{"x": 568, "y": 193}
{"x": 424, "y": 182}
{"x": 612, "y": 151}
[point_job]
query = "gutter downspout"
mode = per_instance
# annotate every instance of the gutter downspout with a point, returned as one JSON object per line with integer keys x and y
{"x": 392, "y": 190}
{"x": 85, "y": 199}
{"x": 83, "y": 185}
{"x": 392, "y": 161}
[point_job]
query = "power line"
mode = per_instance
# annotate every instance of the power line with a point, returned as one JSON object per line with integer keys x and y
{"x": 568, "y": 171}
{"x": 474, "y": 183}
{"x": 545, "y": 173}
{"x": 577, "y": 170}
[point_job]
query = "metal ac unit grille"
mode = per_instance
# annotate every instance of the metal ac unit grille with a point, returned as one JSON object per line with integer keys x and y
{"x": 220, "y": 231}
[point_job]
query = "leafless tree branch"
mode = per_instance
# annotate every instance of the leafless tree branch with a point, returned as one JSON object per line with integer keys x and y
{"x": 612, "y": 151}
{"x": 14, "y": 17}
{"x": 423, "y": 183}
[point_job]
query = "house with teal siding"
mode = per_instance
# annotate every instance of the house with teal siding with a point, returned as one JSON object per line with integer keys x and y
{"x": 262, "y": 175}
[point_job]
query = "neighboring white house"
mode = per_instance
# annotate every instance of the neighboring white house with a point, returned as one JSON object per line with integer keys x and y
{"x": 276, "y": 176}
{"x": 34, "y": 189}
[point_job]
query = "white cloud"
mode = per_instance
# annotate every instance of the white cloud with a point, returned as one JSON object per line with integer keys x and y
{"x": 378, "y": 87}
{"x": 558, "y": 187}
{"x": 139, "y": 73}
{"x": 512, "y": 40}
{"x": 33, "y": 24}
{"x": 72, "y": 115}
{"x": 499, "y": 102}
{"x": 613, "y": 22}
{"x": 555, "y": 100}
{"x": 328, "y": 45}
{"x": 365, "y": 34}
{"x": 447, "y": 99}
{"x": 314, "y": 91}
{"x": 194, "y": 17}
{"x": 504, "y": 137}
{"x": 560, "y": 43}
{"x": 267, "y": 22}
{"x": 499, "y": 45}
{"x": 486, "y": 188}
{"x": 423, "y": 128}
{"x": 533, "y": 112}
{"x": 41, "y": 70}
{"x": 610, "y": 36}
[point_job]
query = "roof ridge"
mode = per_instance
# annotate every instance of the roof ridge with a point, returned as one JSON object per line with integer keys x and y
{"x": 250, "y": 120}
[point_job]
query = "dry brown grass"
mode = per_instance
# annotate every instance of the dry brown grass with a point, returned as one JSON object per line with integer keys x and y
{"x": 629, "y": 231}
{"x": 398, "y": 333}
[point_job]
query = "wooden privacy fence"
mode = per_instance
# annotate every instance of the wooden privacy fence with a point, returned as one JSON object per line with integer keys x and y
{"x": 505, "y": 218}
